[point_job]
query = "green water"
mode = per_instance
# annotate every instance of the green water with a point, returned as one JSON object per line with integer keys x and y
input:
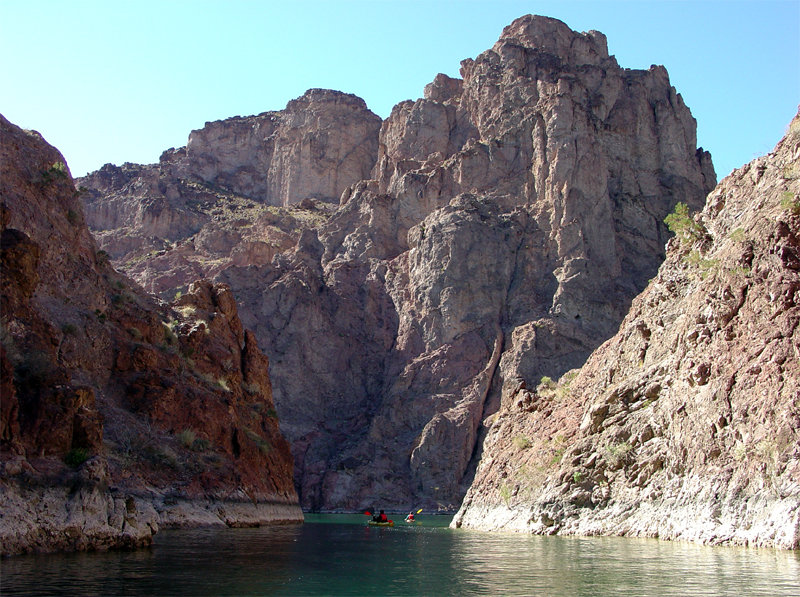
{"x": 341, "y": 555}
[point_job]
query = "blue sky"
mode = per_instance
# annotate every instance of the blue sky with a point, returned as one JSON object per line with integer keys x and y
{"x": 118, "y": 81}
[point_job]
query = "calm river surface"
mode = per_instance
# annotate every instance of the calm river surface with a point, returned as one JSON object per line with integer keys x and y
{"x": 341, "y": 555}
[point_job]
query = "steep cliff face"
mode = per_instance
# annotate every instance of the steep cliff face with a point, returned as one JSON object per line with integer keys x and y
{"x": 685, "y": 424}
{"x": 228, "y": 196}
{"x": 508, "y": 221}
{"x": 119, "y": 413}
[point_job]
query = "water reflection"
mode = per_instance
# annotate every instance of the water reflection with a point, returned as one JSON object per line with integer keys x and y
{"x": 613, "y": 566}
{"x": 341, "y": 555}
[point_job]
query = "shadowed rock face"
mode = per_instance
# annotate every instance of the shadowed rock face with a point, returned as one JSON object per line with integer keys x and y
{"x": 509, "y": 219}
{"x": 119, "y": 413}
{"x": 684, "y": 425}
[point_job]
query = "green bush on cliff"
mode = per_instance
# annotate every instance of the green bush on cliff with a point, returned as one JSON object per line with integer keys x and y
{"x": 521, "y": 442}
{"x": 683, "y": 225}
{"x": 791, "y": 203}
{"x": 505, "y": 493}
{"x": 187, "y": 437}
{"x": 263, "y": 445}
{"x": 76, "y": 457}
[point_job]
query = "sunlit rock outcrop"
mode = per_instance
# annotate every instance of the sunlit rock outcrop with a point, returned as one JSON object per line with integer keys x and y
{"x": 685, "y": 424}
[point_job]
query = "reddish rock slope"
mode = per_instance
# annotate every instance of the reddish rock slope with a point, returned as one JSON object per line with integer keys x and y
{"x": 686, "y": 424}
{"x": 119, "y": 413}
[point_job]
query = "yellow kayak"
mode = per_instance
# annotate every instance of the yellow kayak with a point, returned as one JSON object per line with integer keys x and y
{"x": 381, "y": 524}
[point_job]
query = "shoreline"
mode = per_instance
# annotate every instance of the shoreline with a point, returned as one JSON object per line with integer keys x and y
{"x": 95, "y": 518}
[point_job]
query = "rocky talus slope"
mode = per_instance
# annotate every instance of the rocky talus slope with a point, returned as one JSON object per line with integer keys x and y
{"x": 686, "y": 424}
{"x": 509, "y": 219}
{"x": 120, "y": 413}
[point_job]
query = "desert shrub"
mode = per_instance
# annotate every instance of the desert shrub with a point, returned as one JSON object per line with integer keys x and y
{"x": 791, "y": 203}
{"x": 169, "y": 333}
{"x": 262, "y": 444}
{"x": 738, "y": 235}
{"x": 505, "y": 493}
{"x": 683, "y": 225}
{"x": 187, "y": 310}
{"x": 76, "y": 457}
{"x": 187, "y": 437}
{"x": 164, "y": 455}
{"x": 57, "y": 171}
{"x": 69, "y": 328}
{"x": 617, "y": 454}
{"x": 251, "y": 388}
{"x": 546, "y": 385}
{"x": 103, "y": 258}
{"x": 706, "y": 266}
{"x": 199, "y": 445}
{"x": 521, "y": 442}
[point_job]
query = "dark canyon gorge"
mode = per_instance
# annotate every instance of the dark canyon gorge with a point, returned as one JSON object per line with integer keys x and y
{"x": 523, "y": 295}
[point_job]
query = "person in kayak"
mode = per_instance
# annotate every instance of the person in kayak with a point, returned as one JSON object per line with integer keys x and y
{"x": 410, "y": 517}
{"x": 380, "y": 517}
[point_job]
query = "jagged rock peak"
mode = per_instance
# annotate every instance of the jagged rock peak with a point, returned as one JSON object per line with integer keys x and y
{"x": 508, "y": 221}
{"x": 555, "y": 37}
{"x": 326, "y": 96}
{"x": 320, "y": 144}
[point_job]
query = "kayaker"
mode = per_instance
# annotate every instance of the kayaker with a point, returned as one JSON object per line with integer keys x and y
{"x": 410, "y": 517}
{"x": 380, "y": 517}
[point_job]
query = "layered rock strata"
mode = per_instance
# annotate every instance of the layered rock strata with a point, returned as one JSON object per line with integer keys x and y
{"x": 686, "y": 424}
{"x": 120, "y": 413}
{"x": 510, "y": 218}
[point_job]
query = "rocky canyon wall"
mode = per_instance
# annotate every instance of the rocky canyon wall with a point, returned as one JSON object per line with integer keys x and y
{"x": 229, "y": 196}
{"x": 120, "y": 413}
{"x": 685, "y": 425}
{"x": 508, "y": 220}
